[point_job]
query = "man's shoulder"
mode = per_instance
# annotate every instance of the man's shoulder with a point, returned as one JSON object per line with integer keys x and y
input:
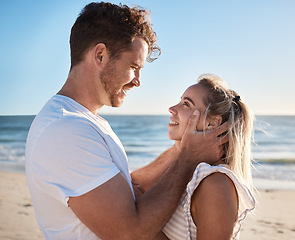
{"x": 72, "y": 125}
{"x": 63, "y": 114}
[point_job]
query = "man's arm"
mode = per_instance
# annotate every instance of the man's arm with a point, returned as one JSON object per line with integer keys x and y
{"x": 161, "y": 236}
{"x": 148, "y": 175}
{"x": 110, "y": 211}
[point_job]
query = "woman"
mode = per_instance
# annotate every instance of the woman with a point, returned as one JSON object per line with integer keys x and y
{"x": 217, "y": 198}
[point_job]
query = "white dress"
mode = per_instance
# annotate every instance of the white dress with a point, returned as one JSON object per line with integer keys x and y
{"x": 181, "y": 225}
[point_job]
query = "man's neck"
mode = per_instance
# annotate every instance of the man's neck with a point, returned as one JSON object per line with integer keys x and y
{"x": 78, "y": 87}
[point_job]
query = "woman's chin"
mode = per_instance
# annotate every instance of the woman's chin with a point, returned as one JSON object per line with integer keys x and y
{"x": 174, "y": 138}
{"x": 171, "y": 137}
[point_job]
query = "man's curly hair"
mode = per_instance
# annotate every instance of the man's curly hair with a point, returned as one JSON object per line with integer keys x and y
{"x": 114, "y": 25}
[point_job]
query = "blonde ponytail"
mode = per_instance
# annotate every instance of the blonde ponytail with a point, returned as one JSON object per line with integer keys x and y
{"x": 227, "y": 103}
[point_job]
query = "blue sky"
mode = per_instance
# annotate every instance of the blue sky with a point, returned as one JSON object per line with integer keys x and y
{"x": 250, "y": 43}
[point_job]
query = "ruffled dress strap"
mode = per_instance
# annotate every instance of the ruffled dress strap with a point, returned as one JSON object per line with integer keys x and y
{"x": 246, "y": 200}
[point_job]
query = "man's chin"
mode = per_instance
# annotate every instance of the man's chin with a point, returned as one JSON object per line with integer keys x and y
{"x": 117, "y": 104}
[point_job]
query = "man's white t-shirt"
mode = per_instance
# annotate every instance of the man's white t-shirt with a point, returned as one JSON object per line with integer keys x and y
{"x": 69, "y": 152}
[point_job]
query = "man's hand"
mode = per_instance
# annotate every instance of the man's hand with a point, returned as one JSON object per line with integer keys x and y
{"x": 205, "y": 146}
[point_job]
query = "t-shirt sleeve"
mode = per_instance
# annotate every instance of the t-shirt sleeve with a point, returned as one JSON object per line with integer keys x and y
{"x": 73, "y": 159}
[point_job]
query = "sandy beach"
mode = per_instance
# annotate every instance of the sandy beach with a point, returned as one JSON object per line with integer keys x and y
{"x": 17, "y": 217}
{"x": 274, "y": 218}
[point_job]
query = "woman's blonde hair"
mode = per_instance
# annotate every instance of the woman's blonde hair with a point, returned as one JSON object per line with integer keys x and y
{"x": 227, "y": 103}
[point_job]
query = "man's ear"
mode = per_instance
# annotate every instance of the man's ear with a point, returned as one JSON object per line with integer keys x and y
{"x": 214, "y": 121}
{"x": 100, "y": 54}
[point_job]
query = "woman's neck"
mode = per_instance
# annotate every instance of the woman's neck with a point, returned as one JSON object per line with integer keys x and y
{"x": 177, "y": 144}
{"x": 220, "y": 161}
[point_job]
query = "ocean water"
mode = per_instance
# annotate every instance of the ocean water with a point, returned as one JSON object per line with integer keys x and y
{"x": 145, "y": 137}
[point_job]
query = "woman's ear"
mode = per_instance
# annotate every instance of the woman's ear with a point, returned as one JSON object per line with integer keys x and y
{"x": 214, "y": 121}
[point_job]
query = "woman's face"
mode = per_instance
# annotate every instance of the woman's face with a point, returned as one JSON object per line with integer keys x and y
{"x": 191, "y": 100}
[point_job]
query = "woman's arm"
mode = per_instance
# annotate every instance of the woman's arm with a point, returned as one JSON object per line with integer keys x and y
{"x": 214, "y": 207}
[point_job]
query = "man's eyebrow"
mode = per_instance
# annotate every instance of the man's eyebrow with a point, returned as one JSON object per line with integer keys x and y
{"x": 190, "y": 100}
{"x": 136, "y": 64}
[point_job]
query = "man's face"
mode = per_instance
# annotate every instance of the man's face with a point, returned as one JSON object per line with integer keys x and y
{"x": 122, "y": 74}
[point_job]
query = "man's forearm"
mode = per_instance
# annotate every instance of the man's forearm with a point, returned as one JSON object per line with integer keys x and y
{"x": 156, "y": 206}
{"x": 161, "y": 236}
{"x": 147, "y": 176}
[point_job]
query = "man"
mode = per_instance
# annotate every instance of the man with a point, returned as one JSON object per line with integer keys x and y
{"x": 76, "y": 166}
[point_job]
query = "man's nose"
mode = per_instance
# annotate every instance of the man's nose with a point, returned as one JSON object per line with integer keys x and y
{"x": 136, "y": 80}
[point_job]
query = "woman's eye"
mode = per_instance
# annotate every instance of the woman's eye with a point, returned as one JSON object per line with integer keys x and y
{"x": 186, "y": 103}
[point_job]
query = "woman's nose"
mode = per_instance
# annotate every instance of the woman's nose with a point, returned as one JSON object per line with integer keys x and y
{"x": 172, "y": 110}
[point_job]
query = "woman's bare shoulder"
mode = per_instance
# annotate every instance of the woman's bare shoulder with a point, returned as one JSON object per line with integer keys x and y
{"x": 215, "y": 203}
{"x": 217, "y": 182}
{"x": 217, "y": 187}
